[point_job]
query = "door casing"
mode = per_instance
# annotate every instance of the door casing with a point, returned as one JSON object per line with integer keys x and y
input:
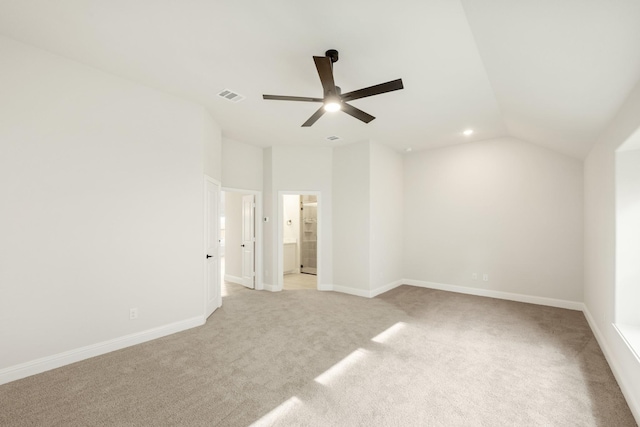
{"x": 211, "y": 222}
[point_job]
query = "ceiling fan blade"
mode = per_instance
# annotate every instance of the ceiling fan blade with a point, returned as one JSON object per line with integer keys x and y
{"x": 291, "y": 98}
{"x": 314, "y": 118}
{"x": 357, "y": 113}
{"x": 373, "y": 90}
{"x": 325, "y": 71}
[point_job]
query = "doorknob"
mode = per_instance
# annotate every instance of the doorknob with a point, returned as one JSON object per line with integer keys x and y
{"x": 209, "y": 256}
{"x": 242, "y": 246}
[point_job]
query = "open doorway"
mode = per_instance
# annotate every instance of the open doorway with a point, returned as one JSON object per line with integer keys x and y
{"x": 240, "y": 239}
{"x": 299, "y": 241}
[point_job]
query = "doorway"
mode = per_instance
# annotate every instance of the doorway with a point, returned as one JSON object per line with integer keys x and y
{"x": 241, "y": 242}
{"x": 299, "y": 241}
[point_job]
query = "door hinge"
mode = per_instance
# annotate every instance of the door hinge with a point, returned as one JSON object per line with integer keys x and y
{"x": 253, "y": 205}
{"x": 253, "y": 239}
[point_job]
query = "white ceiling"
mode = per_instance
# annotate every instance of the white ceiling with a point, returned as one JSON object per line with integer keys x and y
{"x": 552, "y": 72}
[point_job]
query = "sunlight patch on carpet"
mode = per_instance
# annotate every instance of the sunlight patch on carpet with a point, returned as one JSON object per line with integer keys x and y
{"x": 278, "y": 412}
{"x": 342, "y": 366}
{"x": 384, "y": 336}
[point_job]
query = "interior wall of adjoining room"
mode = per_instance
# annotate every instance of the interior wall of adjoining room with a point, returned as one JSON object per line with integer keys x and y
{"x": 102, "y": 184}
{"x": 291, "y": 228}
{"x": 600, "y": 247}
{"x": 233, "y": 236}
{"x": 505, "y": 208}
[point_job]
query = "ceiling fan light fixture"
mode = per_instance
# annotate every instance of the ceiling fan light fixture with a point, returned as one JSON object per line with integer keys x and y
{"x": 332, "y": 106}
{"x": 468, "y": 132}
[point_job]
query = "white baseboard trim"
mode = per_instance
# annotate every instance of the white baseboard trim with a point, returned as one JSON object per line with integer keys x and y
{"x": 551, "y": 302}
{"x": 271, "y": 288}
{"x": 233, "y": 279}
{"x": 385, "y": 288}
{"x": 350, "y": 291}
{"x": 613, "y": 364}
{"x": 37, "y": 366}
{"x": 360, "y": 292}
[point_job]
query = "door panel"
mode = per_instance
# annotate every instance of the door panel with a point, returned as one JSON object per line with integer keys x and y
{"x": 213, "y": 298}
{"x": 248, "y": 241}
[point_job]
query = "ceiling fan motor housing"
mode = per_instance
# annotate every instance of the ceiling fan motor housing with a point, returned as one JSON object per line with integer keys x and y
{"x": 332, "y": 54}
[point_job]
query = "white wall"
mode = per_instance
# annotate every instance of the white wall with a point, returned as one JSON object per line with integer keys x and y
{"x": 102, "y": 206}
{"x": 503, "y": 207}
{"x": 628, "y": 237}
{"x": 299, "y": 169}
{"x": 212, "y": 137}
{"x": 233, "y": 234}
{"x": 291, "y": 212}
{"x": 351, "y": 216}
{"x": 242, "y": 165}
{"x": 268, "y": 230}
{"x": 386, "y": 210}
{"x": 599, "y": 249}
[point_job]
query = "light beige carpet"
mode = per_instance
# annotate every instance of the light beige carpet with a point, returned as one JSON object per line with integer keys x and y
{"x": 410, "y": 357}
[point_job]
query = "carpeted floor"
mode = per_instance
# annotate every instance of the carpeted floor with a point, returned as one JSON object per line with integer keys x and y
{"x": 410, "y": 357}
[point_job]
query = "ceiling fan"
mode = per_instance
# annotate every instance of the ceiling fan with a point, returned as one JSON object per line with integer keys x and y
{"x": 333, "y": 99}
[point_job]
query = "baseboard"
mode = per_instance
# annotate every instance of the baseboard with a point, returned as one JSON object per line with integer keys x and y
{"x": 613, "y": 364}
{"x": 271, "y": 288}
{"x": 325, "y": 287}
{"x": 350, "y": 291}
{"x": 233, "y": 279}
{"x": 551, "y": 302}
{"x": 385, "y": 288}
{"x": 38, "y": 366}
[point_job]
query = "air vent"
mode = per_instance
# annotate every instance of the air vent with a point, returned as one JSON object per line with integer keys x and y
{"x": 333, "y": 138}
{"x": 230, "y": 95}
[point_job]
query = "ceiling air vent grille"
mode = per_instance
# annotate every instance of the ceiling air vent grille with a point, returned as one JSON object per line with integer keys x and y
{"x": 230, "y": 95}
{"x": 333, "y": 138}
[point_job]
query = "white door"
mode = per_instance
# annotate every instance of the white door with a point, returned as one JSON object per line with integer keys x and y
{"x": 248, "y": 240}
{"x": 213, "y": 297}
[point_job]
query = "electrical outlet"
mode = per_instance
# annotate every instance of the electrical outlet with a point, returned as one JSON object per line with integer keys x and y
{"x": 133, "y": 313}
{"x": 485, "y": 277}
{"x": 474, "y": 276}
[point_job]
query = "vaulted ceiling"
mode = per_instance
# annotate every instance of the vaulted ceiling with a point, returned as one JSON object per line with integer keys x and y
{"x": 551, "y": 72}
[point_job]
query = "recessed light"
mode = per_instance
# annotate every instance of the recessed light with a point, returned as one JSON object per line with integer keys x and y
{"x": 408, "y": 149}
{"x": 468, "y": 132}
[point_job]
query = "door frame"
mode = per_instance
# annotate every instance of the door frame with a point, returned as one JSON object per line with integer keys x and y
{"x": 208, "y": 179}
{"x": 259, "y": 285}
{"x": 280, "y": 241}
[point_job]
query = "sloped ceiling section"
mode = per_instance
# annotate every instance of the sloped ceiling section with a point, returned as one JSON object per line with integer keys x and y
{"x": 559, "y": 69}
{"x": 552, "y": 73}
